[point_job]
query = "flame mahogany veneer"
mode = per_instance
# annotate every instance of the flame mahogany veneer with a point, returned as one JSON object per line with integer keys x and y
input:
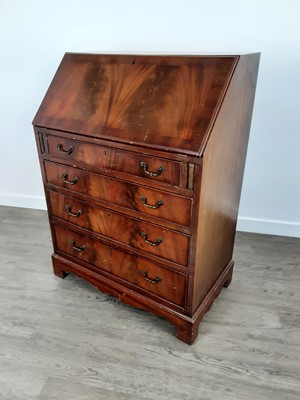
{"x": 142, "y": 159}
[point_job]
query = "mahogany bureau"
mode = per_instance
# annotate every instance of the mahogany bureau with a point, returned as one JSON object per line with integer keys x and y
{"x": 142, "y": 160}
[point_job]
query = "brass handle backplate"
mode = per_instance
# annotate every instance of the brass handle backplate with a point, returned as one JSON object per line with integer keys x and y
{"x": 77, "y": 248}
{"x": 154, "y": 244}
{"x": 144, "y": 167}
{"x": 72, "y": 182}
{"x": 154, "y": 281}
{"x": 76, "y": 214}
{"x": 69, "y": 150}
{"x": 158, "y": 204}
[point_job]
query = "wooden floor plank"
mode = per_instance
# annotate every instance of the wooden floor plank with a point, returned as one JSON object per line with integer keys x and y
{"x": 63, "y": 339}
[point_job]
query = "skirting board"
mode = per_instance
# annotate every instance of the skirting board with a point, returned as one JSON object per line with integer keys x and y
{"x": 23, "y": 201}
{"x": 245, "y": 224}
{"x": 269, "y": 227}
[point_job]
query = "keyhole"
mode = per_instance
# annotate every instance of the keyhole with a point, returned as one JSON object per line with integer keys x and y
{"x": 133, "y": 62}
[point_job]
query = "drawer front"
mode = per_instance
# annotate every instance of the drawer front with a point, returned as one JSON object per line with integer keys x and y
{"x": 147, "y": 275}
{"x": 156, "y": 169}
{"x": 162, "y": 242}
{"x": 135, "y": 197}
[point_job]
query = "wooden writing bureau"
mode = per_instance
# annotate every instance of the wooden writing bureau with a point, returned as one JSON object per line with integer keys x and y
{"x": 142, "y": 159}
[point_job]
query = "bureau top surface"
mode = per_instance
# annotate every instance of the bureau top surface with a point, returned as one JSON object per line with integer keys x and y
{"x": 163, "y": 102}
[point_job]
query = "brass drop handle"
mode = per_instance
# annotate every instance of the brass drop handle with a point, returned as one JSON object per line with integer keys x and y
{"x": 76, "y": 214}
{"x": 154, "y": 281}
{"x": 154, "y": 244}
{"x": 144, "y": 167}
{"x": 72, "y": 182}
{"x": 69, "y": 150}
{"x": 158, "y": 204}
{"x": 77, "y": 248}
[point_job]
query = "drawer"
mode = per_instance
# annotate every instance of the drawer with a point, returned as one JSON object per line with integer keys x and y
{"x": 152, "y": 202}
{"x": 139, "y": 271}
{"x": 136, "y": 233}
{"x": 84, "y": 153}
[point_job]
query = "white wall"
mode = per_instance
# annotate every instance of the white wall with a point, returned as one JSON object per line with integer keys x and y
{"x": 35, "y": 34}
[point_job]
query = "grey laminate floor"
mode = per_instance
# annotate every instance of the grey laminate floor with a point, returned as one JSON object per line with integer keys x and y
{"x": 64, "y": 340}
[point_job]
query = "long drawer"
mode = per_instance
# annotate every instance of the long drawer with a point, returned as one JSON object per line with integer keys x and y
{"x": 153, "y": 202}
{"x": 136, "y": 233}
{"x": 84, "y": 153}
{"x": 139, "y": 271}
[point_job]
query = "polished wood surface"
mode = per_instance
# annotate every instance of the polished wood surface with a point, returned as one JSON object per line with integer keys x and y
{"x": 125, "y": 194}
{"x": 165, "y": 102}
{"x": 223, "y": 167}
{"x": 87, "y": 154}
{"x": 63, "y": 339}
{"x": 121, "y": 228}
{"x": 137, "y": 270}
{"x": 169, "y": 207}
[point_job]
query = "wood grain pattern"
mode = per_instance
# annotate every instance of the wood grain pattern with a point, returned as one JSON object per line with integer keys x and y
{"x": 125, "y": 194}
{"x": 87, "y": 154}
{"x": 170, "y": 285}
{"x": 186, "y": 326}
{"x": 175, "y": 124}
{"x": 162, "y": 102}
{"x": 43, "y": 132}
{"x": 63, "y": 339}
{"x": 63, "y": 389}
{"x": 122, "y": 228}
{"x": 222, "y": 174}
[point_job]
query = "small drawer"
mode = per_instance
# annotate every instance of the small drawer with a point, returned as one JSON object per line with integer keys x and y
{"x": 152, "y": 168}
{"x": 151, "y": 277}
{"x": 136, "y": 233}
{"x": 152, "y": 202}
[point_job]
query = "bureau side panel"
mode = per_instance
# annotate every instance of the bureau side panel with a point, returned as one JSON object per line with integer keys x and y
{"x": 223, "y": 167}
